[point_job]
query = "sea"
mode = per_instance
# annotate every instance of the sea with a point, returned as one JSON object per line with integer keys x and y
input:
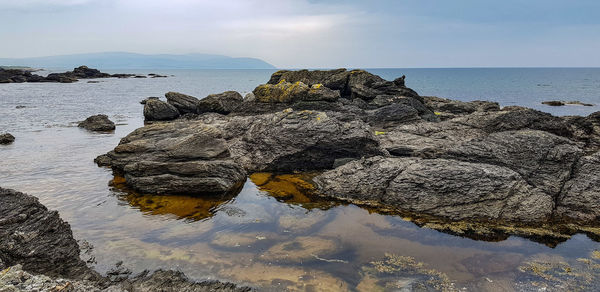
{"x": 259, "y": 238}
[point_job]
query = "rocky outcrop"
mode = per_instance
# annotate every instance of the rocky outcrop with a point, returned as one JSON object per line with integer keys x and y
{"x": 380, "y": 143}
{"x": 38, "y": 253}
{"x": 301, "y": 140}
{"x": 97, "y": 123}
{"x": 563, "y": 103}
{"x": 81, "y": 72}
{"x": 6, "y": 138}
{"x": 157, "y": 110}
{"x": 222, "y": 103}
{"x": 16, "y": 279}
{"x": 351, "y": 84}
{"x": 177, "y": 158}
{"x": 452, "y": 189}
{"x": 182, "y": 102}
{"x": 287, "y": 92}
{"x": 37, "y": 238}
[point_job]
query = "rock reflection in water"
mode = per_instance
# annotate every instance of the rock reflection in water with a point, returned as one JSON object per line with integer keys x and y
{"x": 183, "y": 207}
{"x": 291, "y": 188}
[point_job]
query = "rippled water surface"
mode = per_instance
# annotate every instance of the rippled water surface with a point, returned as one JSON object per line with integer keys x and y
{"x": 271, "y": 235}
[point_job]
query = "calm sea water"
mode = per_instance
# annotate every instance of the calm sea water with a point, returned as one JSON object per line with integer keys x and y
{"x": 247, "y": 239}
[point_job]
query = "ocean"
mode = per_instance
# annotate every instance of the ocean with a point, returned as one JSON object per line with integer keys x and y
{"x": 235, "y": 239}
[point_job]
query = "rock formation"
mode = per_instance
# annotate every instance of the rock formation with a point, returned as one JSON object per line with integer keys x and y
{"x": 376, "y": 142}
{"x": 97, "y": 123}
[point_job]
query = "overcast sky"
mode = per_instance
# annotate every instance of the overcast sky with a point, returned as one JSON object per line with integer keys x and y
{"x": 314, "y": 33}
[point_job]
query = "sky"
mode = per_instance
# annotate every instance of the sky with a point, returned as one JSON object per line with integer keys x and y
{"x": 314, "y": 33}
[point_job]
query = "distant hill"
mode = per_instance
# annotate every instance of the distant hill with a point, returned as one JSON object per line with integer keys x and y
{"x": 121, "y": 60}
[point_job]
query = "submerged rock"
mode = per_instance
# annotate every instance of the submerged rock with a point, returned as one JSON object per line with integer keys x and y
{"x": 6, "y": 138}
{"x": 157, "y": 110}
{"x": 97, "y": 123}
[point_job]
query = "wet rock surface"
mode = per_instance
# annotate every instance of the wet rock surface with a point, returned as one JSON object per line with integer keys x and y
{"x": 97, "y": 123}
{"x": 37, "y": 238}
{"x": 377, "y": 142}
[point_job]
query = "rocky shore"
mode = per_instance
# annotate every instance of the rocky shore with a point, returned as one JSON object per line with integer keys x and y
{"x": 375, "y": 142}
{"x": 38, "y": 252}
{"x": 81, "y": 72}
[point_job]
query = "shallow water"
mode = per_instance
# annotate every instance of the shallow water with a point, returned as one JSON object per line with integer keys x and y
{"x": 270, "y": 235}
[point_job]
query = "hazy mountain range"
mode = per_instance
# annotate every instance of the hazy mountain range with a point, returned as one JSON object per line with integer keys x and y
{"x": 123, "y": 60}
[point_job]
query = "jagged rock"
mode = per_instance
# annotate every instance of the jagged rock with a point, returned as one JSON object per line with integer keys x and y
{"x": 97, "y": 123}
{"x": 392, "y": 115}
{"x": 446, "y": 188}
{"x": 562, "y": 103}
{"x": 37, "y": 238}
{"x": 222, "y": 103}
{"x": 182, "y": 102}
{"x": 6, "y": 138}
{"x": 143, "y": 101}
{"x": 281, "y": 92}
{"x": 351, "y": 84}
{"x": 448, "y": 109}
{"x": 543, "y": 159}
{"x": 175, "y": 158}
{"x": 580, "y": 198}
{"x": 157, "y": 110}
{"x": 301, "y": 140}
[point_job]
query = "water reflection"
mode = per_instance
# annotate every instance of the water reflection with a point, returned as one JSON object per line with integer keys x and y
{"x": 182, "y": 207}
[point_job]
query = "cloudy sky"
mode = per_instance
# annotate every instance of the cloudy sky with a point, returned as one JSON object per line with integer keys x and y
{"x": 314, "y": 33}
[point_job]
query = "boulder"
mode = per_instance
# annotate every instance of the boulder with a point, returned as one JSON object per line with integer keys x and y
{"x": 97, "y": 123}
{"x": 301, "y": 140}
{"x": 351, "y": 84}
{"x": 222, "y": 103}
{"x": 182, "y": 102}
{"x": 37, "y": 238}
{"x": 450, "y": 189}
{"x": 157, "y": 110}
{"x": 448, "y": 109}
{"x": 580, "y": 198}
{"x": 143, "y": 101}
{"x": 6, "y": 138}
{"x": 183, "y": 157}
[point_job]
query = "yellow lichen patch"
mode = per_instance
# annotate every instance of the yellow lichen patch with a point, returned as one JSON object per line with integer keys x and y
{"x": 596, "y": 254}
{"x": 318, "y": 85}
{"x": 292, "y": 188}
{"x": 437, "y": 113}
{"x": 184, "y": 207}
{"x": 377, "y": 133}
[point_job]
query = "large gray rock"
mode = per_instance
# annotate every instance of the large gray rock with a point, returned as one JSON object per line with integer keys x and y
{"x": 302, "y": 140}
{"x": 451, "y": 189}
{"x": 182, "y": 102}
{"x": 580, "y": 198}
{"x": 286, "y": 92}
{"x": 157, "y": 110}
{"x": 351, "y": 84}
{"x": 97, "y": 123}
{"x": 37, "y": 238}
{"x": 222, "y": 103}
{"x": 185, "y": 157}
